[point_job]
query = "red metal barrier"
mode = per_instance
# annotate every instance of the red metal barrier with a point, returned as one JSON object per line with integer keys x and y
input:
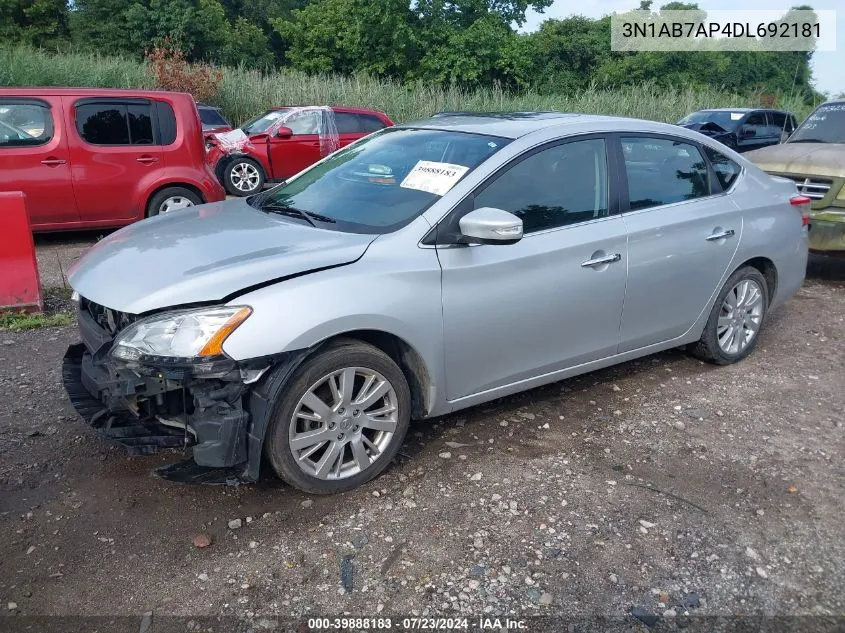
{"x": 20, "y": 288}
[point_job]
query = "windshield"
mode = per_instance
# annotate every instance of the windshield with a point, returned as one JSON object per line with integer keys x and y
{"x": 825, "y": 125}
{"x": 260, "y": 123}
{"x": 724, "y": 119}
{"x": 384, "y": 181}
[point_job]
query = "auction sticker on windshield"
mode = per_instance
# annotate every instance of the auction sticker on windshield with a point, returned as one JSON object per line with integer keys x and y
{"x": 433, "y": 177}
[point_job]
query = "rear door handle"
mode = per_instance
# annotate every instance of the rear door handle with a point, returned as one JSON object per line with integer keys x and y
{"x": 720, "y": 236}
{"x": 601, "y": 261}
{"x": 147, "y": 160}
{"x": 53, "y": 162}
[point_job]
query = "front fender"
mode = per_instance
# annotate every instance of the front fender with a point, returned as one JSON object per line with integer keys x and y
{"x": 305, "y": 311}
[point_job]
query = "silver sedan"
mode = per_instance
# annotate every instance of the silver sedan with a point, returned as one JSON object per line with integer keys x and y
{"x": 425, "y": 268}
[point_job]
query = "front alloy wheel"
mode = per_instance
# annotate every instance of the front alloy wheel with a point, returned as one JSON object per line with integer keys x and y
{"x": 341, "y": 419}
{"x": 243, "y": 177}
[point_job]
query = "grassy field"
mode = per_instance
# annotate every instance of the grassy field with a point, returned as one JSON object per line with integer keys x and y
{"x": 244, "y": 93}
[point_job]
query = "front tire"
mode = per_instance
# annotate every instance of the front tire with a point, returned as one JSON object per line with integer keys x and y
{"x": 243, "y": 177}
{"x": 340, "y": 420}
{"x": 734, "y": 325}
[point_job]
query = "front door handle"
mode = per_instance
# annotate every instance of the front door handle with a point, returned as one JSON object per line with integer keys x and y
{"x": 601, "y": 261}
{"x": 720, "y": 235}
{"x": 147, "y": 160}
{"x": 53, "y": 162}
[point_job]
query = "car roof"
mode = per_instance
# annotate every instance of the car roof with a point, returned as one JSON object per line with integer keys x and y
{"x": 516, "y": 124}
{"x": 85, "y": 92}
{"x": 745, "y": 110}
{"x": 335, "y": 108}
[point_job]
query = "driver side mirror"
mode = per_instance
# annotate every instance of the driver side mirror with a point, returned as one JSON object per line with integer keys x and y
{"x": 489, "y": 225}
{"x": 284, "y": 132}
{"x": 747, "y": 132}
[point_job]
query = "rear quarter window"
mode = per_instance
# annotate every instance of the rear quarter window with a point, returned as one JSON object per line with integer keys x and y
{"x": 726, "y": 170}
{"x": 166, "y": 123}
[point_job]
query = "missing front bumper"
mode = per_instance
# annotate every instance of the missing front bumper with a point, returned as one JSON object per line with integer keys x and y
{"x": 126, "y": 408}
{"x": 122, "y": 426}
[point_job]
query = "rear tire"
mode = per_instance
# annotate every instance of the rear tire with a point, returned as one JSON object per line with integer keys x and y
{"x": 243, "y": 176}
{"x": 172, "y": 199}
{"x": 734, "y": 325}
{"x": 362, "y": 434}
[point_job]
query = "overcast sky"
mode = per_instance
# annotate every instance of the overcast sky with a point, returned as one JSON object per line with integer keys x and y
{"x": 828, "y": 67}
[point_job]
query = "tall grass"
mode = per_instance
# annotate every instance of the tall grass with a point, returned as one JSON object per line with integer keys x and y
{"x": 243, "y": 93}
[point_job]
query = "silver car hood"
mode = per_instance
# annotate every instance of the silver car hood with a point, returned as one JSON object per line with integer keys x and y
{"x": 205, "y": 253}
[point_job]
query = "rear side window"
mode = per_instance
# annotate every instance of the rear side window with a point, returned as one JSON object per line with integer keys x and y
{"x": 369, "y": 123}
{"x": 782, "y": 125}
{"x": 725, "y": 169}
{"x": 663, "y": 171}
{"x": 347, "y": 123}
{"x": 115, "y": 123}
{"x": 24, "y": 123}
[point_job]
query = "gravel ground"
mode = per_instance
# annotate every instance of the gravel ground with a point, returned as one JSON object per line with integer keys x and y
{"x": 663, "y": 486}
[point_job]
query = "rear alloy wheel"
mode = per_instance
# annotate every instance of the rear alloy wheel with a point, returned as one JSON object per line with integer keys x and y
{"x": 243, "y": 177}
{"x": 341, "y": 419}
{"x": 734, "y": 324}
{"x": 172, "y": 199}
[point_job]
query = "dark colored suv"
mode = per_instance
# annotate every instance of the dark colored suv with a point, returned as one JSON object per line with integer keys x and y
{"x": 742, "y": 129}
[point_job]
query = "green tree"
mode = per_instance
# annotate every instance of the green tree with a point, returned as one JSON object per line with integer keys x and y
{"x": 34, "y": 22}
{"x": 247, "y": 45}
{"x": 345, "y": 36}
{"x": 101, "y": 25}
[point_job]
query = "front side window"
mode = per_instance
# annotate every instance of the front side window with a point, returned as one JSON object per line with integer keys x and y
{"x": 383, "y": 182}
{"x": 554, "y": 187}
{"x": 304, "y": 123}
{"x": 24, "y": 123}
{"x": 115, "y": 123}
{"x": 757, "y": 123}
{"x": 663, "y": 171}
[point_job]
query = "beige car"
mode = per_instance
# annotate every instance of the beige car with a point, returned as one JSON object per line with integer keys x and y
{"x": 814, "y": 157}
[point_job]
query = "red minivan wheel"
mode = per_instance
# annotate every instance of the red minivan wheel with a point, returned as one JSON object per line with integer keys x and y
{"x": 172, "y": 199}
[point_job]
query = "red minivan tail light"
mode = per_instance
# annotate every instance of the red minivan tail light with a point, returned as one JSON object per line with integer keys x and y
{"x": 804, "y": 203}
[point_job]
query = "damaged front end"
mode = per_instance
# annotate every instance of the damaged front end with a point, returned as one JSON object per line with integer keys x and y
{"x": 147, "y": 402}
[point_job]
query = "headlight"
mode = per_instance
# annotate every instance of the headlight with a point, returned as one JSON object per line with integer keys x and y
{"x": 186, "y": 334}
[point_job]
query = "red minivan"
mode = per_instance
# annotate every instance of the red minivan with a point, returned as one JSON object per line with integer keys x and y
{"x": 94, "y": 158}
{"x": 283, "y": 141}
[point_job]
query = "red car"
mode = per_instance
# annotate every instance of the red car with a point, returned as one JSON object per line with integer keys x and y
{"x": 284, "y": 141}
{"x": 90, "y": 158}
